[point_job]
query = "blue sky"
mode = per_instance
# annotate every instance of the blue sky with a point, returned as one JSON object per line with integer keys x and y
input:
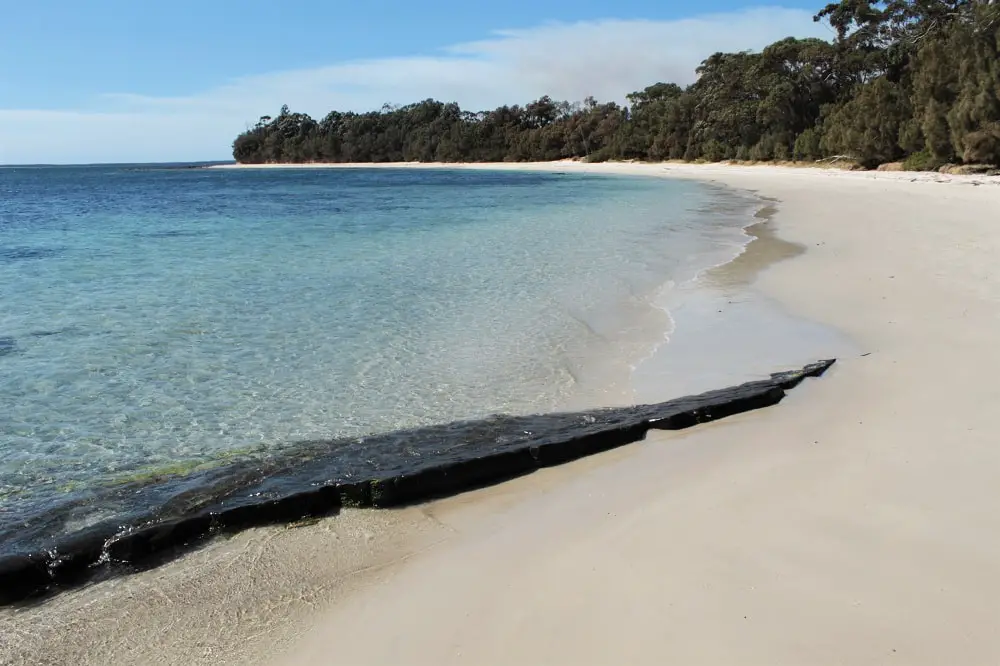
{"x": 116, "y": 80}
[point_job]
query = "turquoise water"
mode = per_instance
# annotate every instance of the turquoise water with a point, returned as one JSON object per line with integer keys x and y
{"x": 150, "y": 317}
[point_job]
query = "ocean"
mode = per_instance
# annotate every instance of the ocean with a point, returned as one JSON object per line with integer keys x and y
{"x": 155, "y": 321}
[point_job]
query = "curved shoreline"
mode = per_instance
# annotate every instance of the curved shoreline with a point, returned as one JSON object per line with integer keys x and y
{"x": 857, "y": 528}
{"x": 151, "y": 531}
{"x": 591, "y": 356}
{"x": 851, "y": 526}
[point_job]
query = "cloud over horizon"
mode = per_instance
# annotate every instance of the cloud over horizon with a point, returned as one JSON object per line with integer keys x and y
{"x": 606, "y": 59}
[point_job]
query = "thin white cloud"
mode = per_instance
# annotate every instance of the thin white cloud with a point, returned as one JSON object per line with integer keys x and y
{"x": 606, "y": 59}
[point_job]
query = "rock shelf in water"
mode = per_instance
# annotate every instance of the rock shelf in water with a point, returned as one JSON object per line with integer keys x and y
{"x": 158, "y": 519}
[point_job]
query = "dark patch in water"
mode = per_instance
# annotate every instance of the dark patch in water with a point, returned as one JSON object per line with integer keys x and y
{"x": 24, "y": 253}
{"x": 8, "y": 345}
{"x": 148, "y": 522}
{"x": 175, "y": 233}
{"x": 47, "y": 333}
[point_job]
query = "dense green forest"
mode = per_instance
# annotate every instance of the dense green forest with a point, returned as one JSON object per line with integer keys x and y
{"x": 913, "y": 80}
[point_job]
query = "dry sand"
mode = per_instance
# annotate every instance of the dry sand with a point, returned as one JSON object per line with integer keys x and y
{"x": 856, "y": 523}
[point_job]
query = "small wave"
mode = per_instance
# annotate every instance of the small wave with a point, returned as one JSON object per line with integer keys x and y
{"x": 171, "y": 233}
{"x": 27, "y": 253}
{"x": 47, "y": 333}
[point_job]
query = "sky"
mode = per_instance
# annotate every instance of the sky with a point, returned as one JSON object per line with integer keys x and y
{"x": 159, "y": 81}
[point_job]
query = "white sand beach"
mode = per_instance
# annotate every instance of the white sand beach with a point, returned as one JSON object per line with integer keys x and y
{"x": 855, "y": 523}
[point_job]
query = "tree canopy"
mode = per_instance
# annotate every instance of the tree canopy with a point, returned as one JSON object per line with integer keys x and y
{"x": 903, "y": 79}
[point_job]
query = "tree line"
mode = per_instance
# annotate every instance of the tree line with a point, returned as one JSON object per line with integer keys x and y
{"x": 913, "y": 80}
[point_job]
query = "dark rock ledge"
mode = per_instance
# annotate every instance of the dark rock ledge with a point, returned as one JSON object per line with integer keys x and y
{"x": 157, "y": 522}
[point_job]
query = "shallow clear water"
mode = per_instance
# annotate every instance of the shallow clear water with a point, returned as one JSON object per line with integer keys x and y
{"x": 153, "y": 316}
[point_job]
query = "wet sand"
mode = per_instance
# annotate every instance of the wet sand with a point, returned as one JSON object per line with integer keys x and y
{"x": 850, "y": 521}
